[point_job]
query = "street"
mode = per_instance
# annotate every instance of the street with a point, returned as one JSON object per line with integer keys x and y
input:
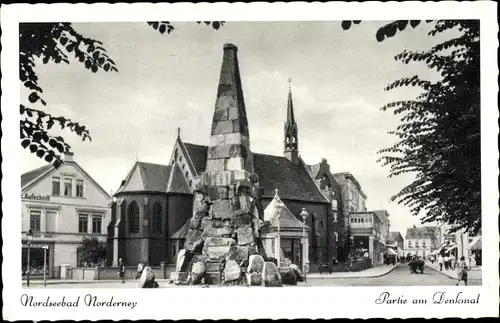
{"x": 398, "y": 277}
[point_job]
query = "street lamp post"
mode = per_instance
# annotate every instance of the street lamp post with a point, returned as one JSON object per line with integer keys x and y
{"x": 351, "y": 247}
{"x": 29, "y": 235}
{"x": 304, "y": 215}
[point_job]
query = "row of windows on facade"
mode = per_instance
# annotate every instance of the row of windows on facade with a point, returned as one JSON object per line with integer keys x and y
{"x": 361, "y": 220}
{"x": 68, "y": 187}
{"x": 133, "y": 216}
{"x": 83, "y": 222}
{"x": 416, "y": 244}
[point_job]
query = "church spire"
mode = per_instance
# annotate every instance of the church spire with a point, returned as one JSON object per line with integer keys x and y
{"x": 291, "y": 139}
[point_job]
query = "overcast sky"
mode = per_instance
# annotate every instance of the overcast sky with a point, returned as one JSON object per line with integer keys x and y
{"x": 170, "y": 81}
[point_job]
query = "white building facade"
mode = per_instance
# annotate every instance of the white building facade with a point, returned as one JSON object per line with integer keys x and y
{"x": 61, "y": 206}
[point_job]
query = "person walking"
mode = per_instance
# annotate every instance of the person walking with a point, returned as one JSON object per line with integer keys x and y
{"x": 140, "y": 268}
{"x": 462, "y": 271}
{"x": 121, "y": 270}
{"x": 440, "y": 262}
{"x": 446, "y": 262}
{"x": 452, "y": 261}
{"x": 432, "y": 260}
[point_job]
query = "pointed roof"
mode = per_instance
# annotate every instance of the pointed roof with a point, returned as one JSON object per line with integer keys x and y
{"x": 230, "y": 114}
{"x": 34, "y": 174}
{"x": 286, "y": 219}
{"x": 177, "y": 181}
{"x": 197, "y": 156}
{"x": 149, "y": 177}
{"x": 290, "y": 118}
{"x": 31, "y": 178}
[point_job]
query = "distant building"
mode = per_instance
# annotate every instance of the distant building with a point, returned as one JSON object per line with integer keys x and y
{"x": 421, "y": 241}
{"x": 331, "y": 190}
{"x": 61, "y": 206}
{"x": 396, "y": 239}
{"x": 352, "y": 199}
{"x": 366, "y": 230}
{"x": 383, "y": 216}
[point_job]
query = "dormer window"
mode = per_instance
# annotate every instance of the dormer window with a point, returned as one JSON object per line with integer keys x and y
{"x": 56, "y": 186}
{"x": 68, "y": 186}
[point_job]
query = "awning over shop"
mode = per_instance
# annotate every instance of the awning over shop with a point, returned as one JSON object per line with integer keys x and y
{"x": 476, "y": 244}
{"x": 391, "y": 252}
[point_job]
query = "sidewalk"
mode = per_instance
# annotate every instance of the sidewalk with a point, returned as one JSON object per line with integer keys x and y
{"x": 473, "y": 274}
{"x": 368, "y": 273}
{"x": 74, "y": 281}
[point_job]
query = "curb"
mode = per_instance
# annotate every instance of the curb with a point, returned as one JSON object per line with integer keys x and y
{"x": 442, "y": 272}
{"x": 370, "y": 276}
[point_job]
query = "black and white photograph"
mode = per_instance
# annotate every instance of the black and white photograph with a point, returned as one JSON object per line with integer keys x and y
{"x": 237, "y": 155}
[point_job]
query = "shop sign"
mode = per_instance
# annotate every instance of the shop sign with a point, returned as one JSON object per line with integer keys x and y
{"x": 36, "y": 246}
{"x": 37, "y": 197}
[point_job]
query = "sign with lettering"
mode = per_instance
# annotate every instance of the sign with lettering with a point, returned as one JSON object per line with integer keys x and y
{"x": 36, "y": 197}
{"x": 36, "y": 246}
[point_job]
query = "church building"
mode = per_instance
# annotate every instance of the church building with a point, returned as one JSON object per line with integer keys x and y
{"x": 154, "y": 203}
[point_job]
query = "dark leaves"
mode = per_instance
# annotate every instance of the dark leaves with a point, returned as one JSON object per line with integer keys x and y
{"x": 33, "y": 97}
{"x": 392, "y": 28}
{"x": 346, "y": 24}
{"x": 161, "y": 26}
{"x": 439, "y": 132}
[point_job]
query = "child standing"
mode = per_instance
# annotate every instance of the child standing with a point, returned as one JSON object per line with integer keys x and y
{"x": 462, "y": 271}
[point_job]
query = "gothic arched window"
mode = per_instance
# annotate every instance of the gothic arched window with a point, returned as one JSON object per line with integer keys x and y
{"x": 157, "y": 218}
{"x": 133, "y": 217}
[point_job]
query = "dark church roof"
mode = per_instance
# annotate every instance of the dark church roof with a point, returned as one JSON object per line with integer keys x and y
{"x": 198, "y": 155}
{"x": 275, "y": 172}
{"x": 148, "y": 177}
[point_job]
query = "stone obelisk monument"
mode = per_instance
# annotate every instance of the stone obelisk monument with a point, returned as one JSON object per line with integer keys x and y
{"x": 224, "y": 228}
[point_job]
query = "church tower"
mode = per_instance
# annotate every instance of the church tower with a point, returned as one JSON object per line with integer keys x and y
{"x": 291, "y": 139}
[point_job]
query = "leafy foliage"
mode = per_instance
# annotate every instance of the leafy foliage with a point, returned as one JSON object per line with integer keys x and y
{"x": 58, "y": 43}
{"x": 439, "y": 133}
{"x": 93, "y": 250}
{"x": 52, "y": 42}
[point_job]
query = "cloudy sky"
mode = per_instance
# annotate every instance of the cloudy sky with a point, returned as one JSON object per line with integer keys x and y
{"x": 170, "y": 81}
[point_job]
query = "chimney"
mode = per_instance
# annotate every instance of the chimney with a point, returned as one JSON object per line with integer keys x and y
{"x": 68, "y": 156}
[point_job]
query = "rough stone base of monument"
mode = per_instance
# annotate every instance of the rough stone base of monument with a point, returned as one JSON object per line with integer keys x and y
{"x": 147, "y": 279}
{"x": 289, "y": 278}
{"x": 197, "y": 279}
{"x": 254, "y": 279}
{"x": 213, "y": 278}
{"x": 271, "y": 275}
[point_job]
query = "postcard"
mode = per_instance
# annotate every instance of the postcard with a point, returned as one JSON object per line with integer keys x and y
{"x": 232, "y": 161}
